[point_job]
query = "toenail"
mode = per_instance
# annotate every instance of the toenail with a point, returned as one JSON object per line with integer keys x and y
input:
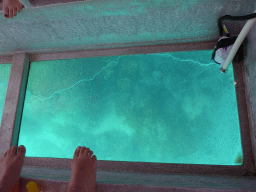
{"x": 78, "y": 148}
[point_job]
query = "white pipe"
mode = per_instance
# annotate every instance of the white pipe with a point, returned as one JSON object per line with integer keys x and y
{"x": 26, "y": 3}
{"x": 247, "y": 27}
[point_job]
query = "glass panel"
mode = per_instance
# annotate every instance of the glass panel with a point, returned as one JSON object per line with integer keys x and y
{"x": 166, "y": 107}
{"x": 5, "y": 70}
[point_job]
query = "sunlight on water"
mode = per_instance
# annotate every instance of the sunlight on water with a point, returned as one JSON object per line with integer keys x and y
{"x": 177, "y": 105}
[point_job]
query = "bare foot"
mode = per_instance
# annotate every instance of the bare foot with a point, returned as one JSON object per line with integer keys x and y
{"x": 10, "y": 167}
{"x": 11, "y": 7}
{"x": 83, "y": 166}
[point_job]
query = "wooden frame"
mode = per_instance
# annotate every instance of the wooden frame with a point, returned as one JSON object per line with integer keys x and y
{"x": 11, "y": 118}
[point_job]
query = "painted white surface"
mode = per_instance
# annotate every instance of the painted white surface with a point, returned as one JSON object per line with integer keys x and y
{"x": 86, "y": 24}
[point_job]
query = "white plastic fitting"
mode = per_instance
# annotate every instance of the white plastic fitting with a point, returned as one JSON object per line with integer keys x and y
{"x": 247, "y": 27}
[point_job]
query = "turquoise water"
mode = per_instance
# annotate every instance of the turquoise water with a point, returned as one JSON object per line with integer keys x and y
{"x": 5, "y": 70}
{"x": 165, "y": 107}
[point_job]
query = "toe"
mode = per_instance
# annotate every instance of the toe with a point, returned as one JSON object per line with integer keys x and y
{"x": 21, "y": 5}
{"x": 94, "y": 158}
{"x": 90, "y": 154}
{"x": 10, "y": 13}
{"x": 82, "y": 149}
{"x": 77, "y": 151}
{"x": 6, "y": 12}
{"x": 18, "y": 8}
{"x": 14, "y": 11}
{"x": 86, "y": 151}
{"x": 13, "y": 150}
{"x": 21, "y": 150}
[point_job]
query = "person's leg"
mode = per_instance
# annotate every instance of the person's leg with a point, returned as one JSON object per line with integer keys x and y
{"x": 83, "y": 166}
{"x": 11, "y": 7}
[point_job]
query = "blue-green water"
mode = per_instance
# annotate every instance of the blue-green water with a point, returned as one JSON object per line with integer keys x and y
{"x": 5, "y": 70}
{"x": 166, "y": 107}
